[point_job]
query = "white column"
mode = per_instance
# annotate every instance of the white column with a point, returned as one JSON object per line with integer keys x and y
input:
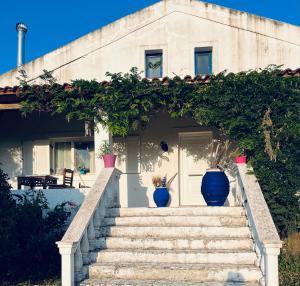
{"x": 66, "y": 251}
{"x": 271, "y": 253}
{"x": 101, "y": 134}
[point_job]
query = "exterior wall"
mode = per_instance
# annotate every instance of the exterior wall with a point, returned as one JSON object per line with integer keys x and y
{"x": 25, "y": 144}
{"x": 140, "y": 157}
{"x": 11, "y": 157}
{"x": 240, "y": 42}
{"x": 57, "y": 196}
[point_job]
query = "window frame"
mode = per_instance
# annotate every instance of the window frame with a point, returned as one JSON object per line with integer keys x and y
{"x": 71, "y": 140}
{"x": 203, "y": 50}
{"x": 149, "y": 53}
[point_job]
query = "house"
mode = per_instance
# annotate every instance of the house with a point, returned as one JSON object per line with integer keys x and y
{"x": 186, "y": 37}
{"x": 189, "y": 38}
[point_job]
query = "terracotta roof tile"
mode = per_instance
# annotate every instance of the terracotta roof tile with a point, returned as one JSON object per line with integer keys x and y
{"x": 10, "y": 95}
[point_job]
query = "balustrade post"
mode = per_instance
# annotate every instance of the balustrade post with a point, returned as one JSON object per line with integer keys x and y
{"x": 116, "y": 190}
{"x": 97, "y": 222}
{"x": 85, "y": 248}
{"x": 78, "y": 265}
{"x": 271, "y": 253}
{"x": 66, "y": 251}
{"x": 91, "y": 235}
{"x": 238, "y": 191}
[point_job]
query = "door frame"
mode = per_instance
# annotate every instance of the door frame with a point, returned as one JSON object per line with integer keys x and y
{"x": 180, "y": 154}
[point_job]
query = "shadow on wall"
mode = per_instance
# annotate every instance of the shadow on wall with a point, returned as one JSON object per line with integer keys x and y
{"x": 137, "y": 195}
{"x": 136, "y": 157}
{"x": 11, "y": 160}
{"x": 152, "y": 155}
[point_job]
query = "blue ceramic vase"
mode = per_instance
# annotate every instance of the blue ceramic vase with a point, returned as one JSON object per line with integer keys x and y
{"x": 215, "y": 187}
{"x": 161, "y": 196}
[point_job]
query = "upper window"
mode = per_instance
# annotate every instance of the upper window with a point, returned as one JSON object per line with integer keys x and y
{"x": 203, "y": 61}
{"x": 154, "y": 63}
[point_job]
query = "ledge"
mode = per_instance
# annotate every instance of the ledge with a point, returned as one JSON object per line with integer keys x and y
{"x": 263, "y": 222}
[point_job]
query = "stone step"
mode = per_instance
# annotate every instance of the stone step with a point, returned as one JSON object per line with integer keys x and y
{"x": 176, "y": 221}
{"x": 176, "y": 272}
{"x": 173, "y": 244}
{"x": 114, "y": 282}
{"x": 175, "y": 232}
{"x": 175, "y": 256}
{"x": 180, "y": 211}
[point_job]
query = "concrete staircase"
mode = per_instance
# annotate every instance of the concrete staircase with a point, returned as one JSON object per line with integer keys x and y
{"x": 195, "y": 246}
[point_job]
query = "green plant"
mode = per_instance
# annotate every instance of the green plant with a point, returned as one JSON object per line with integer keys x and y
{"x": 105, "y": 148}
{"x": 289, "y": 269}
{"x": 258, "y": 109}
{"x": 8, "y": 215}
{"x": 28, "y": 232}
{"x": 81, "y": 166}
{"x": 237, "y": 152}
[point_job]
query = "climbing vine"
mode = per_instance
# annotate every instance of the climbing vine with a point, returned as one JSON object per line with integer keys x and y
{"x": 259, "y": 109}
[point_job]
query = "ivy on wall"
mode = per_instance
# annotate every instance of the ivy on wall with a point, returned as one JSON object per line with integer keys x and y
{"x": 259, "y": 109}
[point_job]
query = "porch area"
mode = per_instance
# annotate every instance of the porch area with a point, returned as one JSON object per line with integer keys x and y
{"x": 40, "y": 146}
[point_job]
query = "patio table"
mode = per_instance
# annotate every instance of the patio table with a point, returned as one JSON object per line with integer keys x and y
{"x": 36, "y": 181}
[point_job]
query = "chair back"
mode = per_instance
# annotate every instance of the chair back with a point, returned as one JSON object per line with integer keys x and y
{"x": 68, "y": 177}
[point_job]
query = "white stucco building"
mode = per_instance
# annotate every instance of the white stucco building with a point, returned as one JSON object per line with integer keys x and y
{"x": 188, "y": 37}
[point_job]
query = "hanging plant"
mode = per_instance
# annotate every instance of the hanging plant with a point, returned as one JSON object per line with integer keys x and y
{"x": 259, "y": 110}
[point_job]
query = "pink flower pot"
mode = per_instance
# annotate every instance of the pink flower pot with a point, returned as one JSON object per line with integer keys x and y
{"x": 241, "y": 159}
{"x": 109, "y": 160}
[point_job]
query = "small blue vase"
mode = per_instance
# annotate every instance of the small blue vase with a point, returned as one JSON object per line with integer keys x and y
{"x": 161, "y": 196}
{"x": 215, "y": 187}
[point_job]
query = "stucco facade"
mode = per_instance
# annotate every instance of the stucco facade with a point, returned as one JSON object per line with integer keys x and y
{"x": 239, "y": 41}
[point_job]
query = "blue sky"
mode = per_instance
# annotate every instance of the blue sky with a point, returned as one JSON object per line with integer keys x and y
{"x": 57, "y": 22}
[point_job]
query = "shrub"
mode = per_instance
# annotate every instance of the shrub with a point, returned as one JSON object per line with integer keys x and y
{"x": 28, "y": 232}
{"x": 8, "y": 211}
{"x": 289, "y": 269}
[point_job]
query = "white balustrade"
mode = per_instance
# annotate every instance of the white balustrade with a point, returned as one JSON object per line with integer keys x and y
{"x": 263, "y": 230}
{"x": 80, "y": 238}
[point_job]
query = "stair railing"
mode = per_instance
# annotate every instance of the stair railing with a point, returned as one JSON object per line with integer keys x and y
{"x": 263, "y": 230}
{"x": 81, "y": 236}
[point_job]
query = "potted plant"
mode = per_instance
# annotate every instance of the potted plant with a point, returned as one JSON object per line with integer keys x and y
{"x": 82, "y": 169}
{"x": 240, "y": 157}
{"x": 106, "y": 153}
{"x": 161, "y": 194}
{"x": 215, "y": 184}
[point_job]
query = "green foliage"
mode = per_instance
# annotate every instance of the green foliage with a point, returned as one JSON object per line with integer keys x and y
{"x": 7, "y": 223}
{"x": 259, "y": 110}
{"x": 105, "y": 148}
{"x": 289, "y": 269}
{"x": 28, "y": 232}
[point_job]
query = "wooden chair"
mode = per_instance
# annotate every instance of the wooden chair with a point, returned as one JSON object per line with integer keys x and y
{"x": 67, "y": 180}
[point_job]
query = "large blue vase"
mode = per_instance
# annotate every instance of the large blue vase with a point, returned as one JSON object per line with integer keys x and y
{"x": 161, "y": 196}
{"x": 215, "y": 187}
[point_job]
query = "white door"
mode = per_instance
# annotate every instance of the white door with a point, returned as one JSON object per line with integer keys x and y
{"x": 195, "y": 151}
